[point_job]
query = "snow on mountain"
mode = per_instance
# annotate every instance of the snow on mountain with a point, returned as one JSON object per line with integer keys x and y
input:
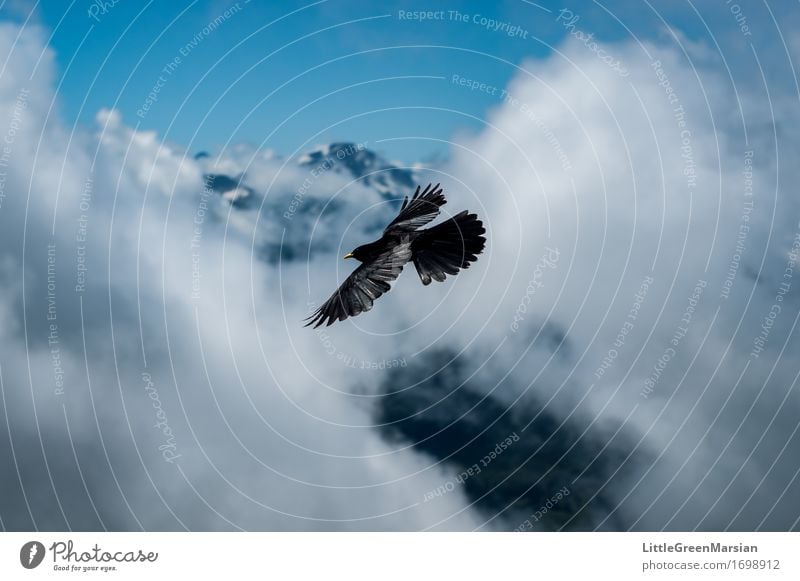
{"x": 280, "y": 203}
{"x": 364, "y": 164}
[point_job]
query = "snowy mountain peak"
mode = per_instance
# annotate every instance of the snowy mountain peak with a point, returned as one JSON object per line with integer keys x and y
{"x": 244, "y": 181}
{"x": 362, "y": 164}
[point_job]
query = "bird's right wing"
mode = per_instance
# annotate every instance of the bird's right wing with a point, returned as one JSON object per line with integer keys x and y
{"x": 364, "y": 285}
{"x": 421, "y": 209}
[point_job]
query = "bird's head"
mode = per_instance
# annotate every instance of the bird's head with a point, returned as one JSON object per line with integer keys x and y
{"x": 360, "y": 253}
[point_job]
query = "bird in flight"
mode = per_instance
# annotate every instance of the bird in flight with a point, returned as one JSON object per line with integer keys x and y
{"x": 436, "y": 252}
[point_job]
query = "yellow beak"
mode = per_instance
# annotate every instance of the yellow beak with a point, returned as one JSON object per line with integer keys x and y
{"x": 348, "y": 255}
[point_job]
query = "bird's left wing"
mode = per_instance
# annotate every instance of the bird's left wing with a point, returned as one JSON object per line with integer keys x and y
{"x": 364, "y": 285}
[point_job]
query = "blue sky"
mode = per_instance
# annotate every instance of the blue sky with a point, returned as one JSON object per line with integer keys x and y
{"x": 289, "y": 75}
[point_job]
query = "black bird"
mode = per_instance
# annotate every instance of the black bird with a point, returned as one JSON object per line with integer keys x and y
{"x": 435, "y": 252}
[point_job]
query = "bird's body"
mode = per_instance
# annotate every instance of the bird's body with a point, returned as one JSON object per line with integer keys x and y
{"x": 369, "y": 252}
{"x": 436, "y": 252}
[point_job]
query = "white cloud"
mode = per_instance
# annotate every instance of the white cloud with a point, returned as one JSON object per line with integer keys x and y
{"x": 645, "y": 196}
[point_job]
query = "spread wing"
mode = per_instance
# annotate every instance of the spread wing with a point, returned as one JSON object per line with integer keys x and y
{"x": 364, "y": 285}
{"x": 421, "y": 209}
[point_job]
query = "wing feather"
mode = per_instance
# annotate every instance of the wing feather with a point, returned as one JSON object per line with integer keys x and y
{"x": 419, "y": 210}
{"x": 364, "y": 285}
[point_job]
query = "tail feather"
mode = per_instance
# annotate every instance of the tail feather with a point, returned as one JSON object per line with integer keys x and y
{"x": 448, "y": 247}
